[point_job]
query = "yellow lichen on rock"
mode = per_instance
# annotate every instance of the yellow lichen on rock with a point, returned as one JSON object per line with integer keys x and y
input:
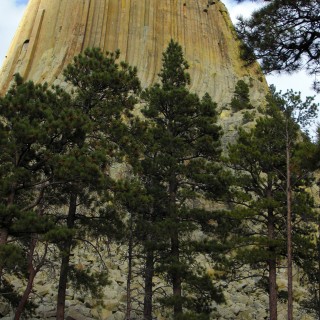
{"x": 53, "y": 32}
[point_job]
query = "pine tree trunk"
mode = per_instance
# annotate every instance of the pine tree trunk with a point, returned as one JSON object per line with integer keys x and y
{"x": 289, "y": 232}
{"x": 272, "y": 262}
{"x": 66, "y": 251}
{"x": 32, "y": 274}
{"x": 129, "y": 277}
{"x": 273, "y": 289}
{"x": 3, "y": 240}
{"x": 32, "y": 270}
{"x": 148, "y": 286}
{"x": 3, "y": 236}
{"x": 4, "y": 231}
{"x": 25, "y": 296}
{"x": 175, "y": 251}
{"x": 176, "y": 279}
{"x": 318, "y": 277}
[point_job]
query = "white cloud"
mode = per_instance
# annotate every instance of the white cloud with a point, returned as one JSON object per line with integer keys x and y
{"x": 241, "y": 9}
{"x": 10, "y": 15}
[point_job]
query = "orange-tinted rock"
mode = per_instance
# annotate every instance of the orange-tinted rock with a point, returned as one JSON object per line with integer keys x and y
{"x": 53, "y": 31}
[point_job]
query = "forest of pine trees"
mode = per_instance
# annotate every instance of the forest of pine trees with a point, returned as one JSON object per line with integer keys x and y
{"x": 247, "y": 208}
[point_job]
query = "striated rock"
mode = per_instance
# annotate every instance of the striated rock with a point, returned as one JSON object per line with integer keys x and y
{"x": 52, "y": 32}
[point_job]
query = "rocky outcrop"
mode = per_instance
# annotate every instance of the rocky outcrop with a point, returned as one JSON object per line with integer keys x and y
{"x": 245, "y": 299}
{"x": 52, "y": 32}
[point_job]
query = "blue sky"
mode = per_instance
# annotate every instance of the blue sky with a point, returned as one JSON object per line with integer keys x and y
{"x": 10, "y": 14}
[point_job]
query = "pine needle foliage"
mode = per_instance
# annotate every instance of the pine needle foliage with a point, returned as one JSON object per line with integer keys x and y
{"x": 259, "y": 196}
{"x": 180, "y": 165}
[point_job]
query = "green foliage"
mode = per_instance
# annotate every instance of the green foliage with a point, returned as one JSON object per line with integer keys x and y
{"x": 248, "y": 117}
{"x": 104, "y": 95}
{"x": 8, "y": 292}
{"x": 179, "y": 143}
{"x": 59, "y": 234}
{"x": 173, "y": 72}
{"x": 301, "y": 113}
{"x": 241, "y": 98}
{"x": 310, "y": 260}
{"x": 312, "y": 304}
{"x": 57, "y": 148}
{"x": 104, "y": 88}
{"x": 258, "y": 197}
{"x": 284, "y": 36}
{"x": 12, "y": 257}
{"x": 84, "y": 280}
{"x": 32, "y": 133}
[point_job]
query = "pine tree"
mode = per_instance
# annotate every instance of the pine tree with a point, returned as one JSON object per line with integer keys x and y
{"x": 180, "y": 152}
{"x": 241, "y": 98}
{"x": 27, "y": 115}
{"x": 28, "y": 134}
{"x": 32, "y": 124}
{"x": 58, "y": 149}
{"x": 295, "y": 113}
{"x": 144, "y": 238}
{"x": 311, "y": 262}
{"x": 263, "y": 194}
{"x": 104, "y": 94}
{"x": 284, "y": 35}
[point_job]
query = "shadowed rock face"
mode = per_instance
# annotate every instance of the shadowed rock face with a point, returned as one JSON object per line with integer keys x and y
{"x": 53, "y": 31}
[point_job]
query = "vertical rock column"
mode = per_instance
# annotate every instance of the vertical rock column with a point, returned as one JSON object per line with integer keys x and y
{"x": 52, "y": 32}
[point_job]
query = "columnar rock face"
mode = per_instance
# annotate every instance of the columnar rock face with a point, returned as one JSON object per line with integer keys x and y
{"x": 53, "y": 31}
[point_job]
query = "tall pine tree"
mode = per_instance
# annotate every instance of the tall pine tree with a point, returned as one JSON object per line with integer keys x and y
{"x": 180, "y": 152}
{"x": 34, "y": 125}
{"x": 104, "y": 94}
{"x": 261, "y": 196}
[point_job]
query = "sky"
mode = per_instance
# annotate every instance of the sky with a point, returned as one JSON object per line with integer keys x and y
{"x": 11, "y": 12}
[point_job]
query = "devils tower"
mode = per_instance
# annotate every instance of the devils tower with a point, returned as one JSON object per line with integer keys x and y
{"x": 51, "y": 33}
